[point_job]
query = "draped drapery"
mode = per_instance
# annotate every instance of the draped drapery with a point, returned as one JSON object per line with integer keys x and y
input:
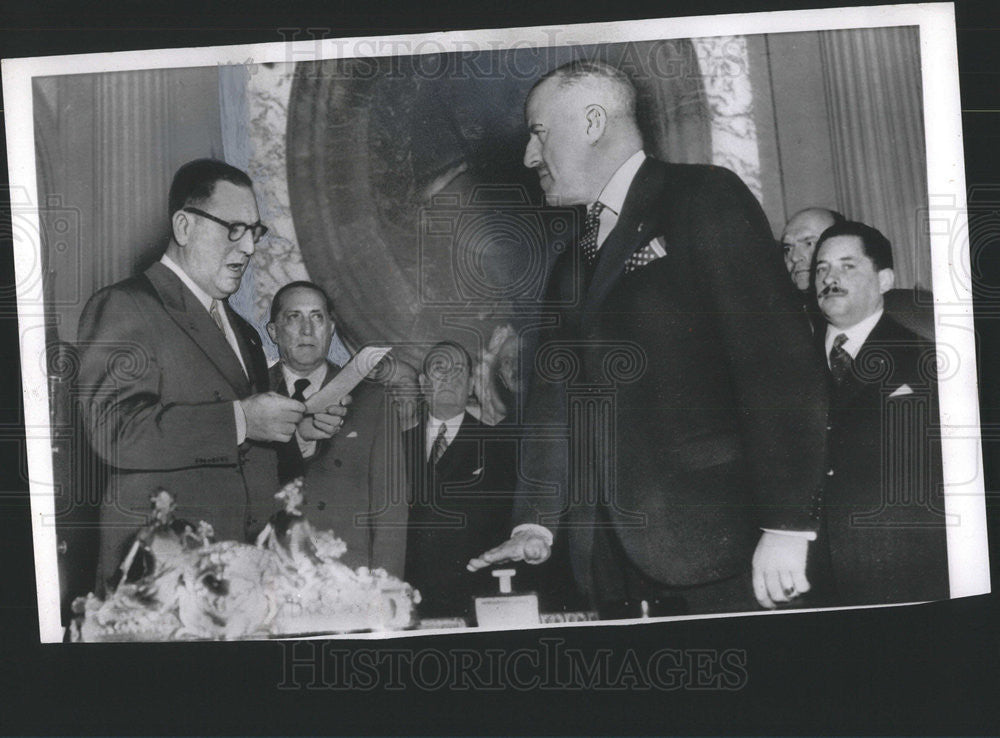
{"x": 725, "y": 73}
{"x": 108, "y": 145}
{"x": 253, "y": 107}
{"x": 875, "y": 107}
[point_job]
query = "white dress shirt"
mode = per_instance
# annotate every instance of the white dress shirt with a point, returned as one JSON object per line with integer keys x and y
{"x": 434, "y": 427}
{"x": 613, "y": 198}
{"x": 206, "y": 302}
{"x": 857, "y": 334}
{"x": 316, "y": 378}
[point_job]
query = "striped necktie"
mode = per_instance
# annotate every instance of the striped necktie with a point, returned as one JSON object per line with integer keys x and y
{"x": 440, "y": 444}
{"x": 217, "y": 316}
{"x": 840, "y": 360}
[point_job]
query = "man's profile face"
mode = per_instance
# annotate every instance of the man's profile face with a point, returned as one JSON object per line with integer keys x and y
{"x": 303, "y": 329}
{"x": 447, "y": 383}
{"x": 799, "y": 242}
{"x": 557, "y": 146}
{"x": 848, "y": 286}
{"x": 213, "y": 262}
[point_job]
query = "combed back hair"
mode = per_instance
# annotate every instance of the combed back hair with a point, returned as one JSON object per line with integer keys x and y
{"x": 873, "y": 243}
{"x": 615, "y": 81}
{"x": 837, "y": 217}
{"x": 195, "y": 182}
{"x": 279, "y": 295}
{"x": 444, "y": 348}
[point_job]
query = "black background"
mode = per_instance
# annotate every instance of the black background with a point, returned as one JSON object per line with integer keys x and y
{"x": 930, "y": 669}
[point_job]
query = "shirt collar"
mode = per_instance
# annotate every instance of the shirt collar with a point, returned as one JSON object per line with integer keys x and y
{"x": 203, "y": 297}
{"x": 857, "y": 334}
{"x": 434, "y": 427}
{"x": 452, "y": 423}
{"x": 614, "y": 192}
{"x": 315, "y": 377}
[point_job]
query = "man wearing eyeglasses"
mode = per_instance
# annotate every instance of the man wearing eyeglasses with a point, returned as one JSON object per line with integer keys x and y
{"x": 174, "y": 384}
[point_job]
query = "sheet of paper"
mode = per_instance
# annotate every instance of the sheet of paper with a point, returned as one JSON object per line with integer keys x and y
{"x": 349, "y": 377}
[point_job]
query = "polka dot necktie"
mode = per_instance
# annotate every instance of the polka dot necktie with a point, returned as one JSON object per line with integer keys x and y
{"x": 588, "y": 241}
{"x": 840, "y": 360}
{"x": 301, "y": 385}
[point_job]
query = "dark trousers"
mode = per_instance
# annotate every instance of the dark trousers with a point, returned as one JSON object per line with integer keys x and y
{"x": 620, "y": 587}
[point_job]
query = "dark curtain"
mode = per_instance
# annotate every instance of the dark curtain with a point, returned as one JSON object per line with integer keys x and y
{"x": 875, "y": 107}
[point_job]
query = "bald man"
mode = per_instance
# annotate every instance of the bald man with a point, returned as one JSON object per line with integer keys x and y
{"x": 705, "y": 504}
{"x": 798, "y": 242}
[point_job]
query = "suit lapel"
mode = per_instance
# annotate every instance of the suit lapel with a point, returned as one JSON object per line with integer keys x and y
{"x": 276, "y": 380}
{"x": 638, "y": 222}
{"x": 872, "y": 358}
{"x": 192, "y": 318}
{"x": 456, "y": 450}
{"x": 250, "y": 348}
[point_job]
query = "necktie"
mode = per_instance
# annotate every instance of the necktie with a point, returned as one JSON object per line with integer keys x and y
{"x": 300, "y": 390}
{"x": 588, "y": 241}
{"x": 217, "y": 316}
{"x": 437, "y": 450}
{"x": 840, "y": 360}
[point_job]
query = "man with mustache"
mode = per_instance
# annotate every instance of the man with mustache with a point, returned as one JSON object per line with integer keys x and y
{"x": 173, "y": 383}
{"x": 883, "y": 505}
{"x": 704, "y": 506}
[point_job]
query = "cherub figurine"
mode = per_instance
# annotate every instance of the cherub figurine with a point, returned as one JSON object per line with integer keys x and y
{"x": 288, "y": 533}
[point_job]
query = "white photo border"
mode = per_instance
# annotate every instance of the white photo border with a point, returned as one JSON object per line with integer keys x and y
{"x": 951, "y": 271}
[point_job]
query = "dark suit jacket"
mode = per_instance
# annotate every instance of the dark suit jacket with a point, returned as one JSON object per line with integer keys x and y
{"x": 157, "y": 385}
{"x": 883, "y": 503}
{"x": 458, "y": 508}
{"x": 350, "y": 484}
{"x": 719, "y": 407}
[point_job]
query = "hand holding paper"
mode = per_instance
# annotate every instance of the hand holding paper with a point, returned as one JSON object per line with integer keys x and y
{"x": 347, "y": 379}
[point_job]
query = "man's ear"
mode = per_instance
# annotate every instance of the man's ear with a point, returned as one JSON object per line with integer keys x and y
{"x": 886, "y": 280}
{"x": 181, "y": 225}
{"x": 424, "y": 382}
{"x": 597, "y": 122}
{"x": 272, "y": 332}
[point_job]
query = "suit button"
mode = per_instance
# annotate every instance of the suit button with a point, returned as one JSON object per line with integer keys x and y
{"x": 251, "y": 520}
{"x": 321, "y": 505}
{"x": 829, "y": 472}
{"x": 338, "y": 463}
{"x": 829, "y": 427}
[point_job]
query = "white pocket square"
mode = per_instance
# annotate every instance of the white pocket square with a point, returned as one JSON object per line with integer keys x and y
{"x": 352, "y": 434}
{"x": 903, "y": 389}
{"x": 477, "y": 471}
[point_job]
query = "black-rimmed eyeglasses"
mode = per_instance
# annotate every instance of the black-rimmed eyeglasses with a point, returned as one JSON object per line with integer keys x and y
{"x": 236, "y": 230}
